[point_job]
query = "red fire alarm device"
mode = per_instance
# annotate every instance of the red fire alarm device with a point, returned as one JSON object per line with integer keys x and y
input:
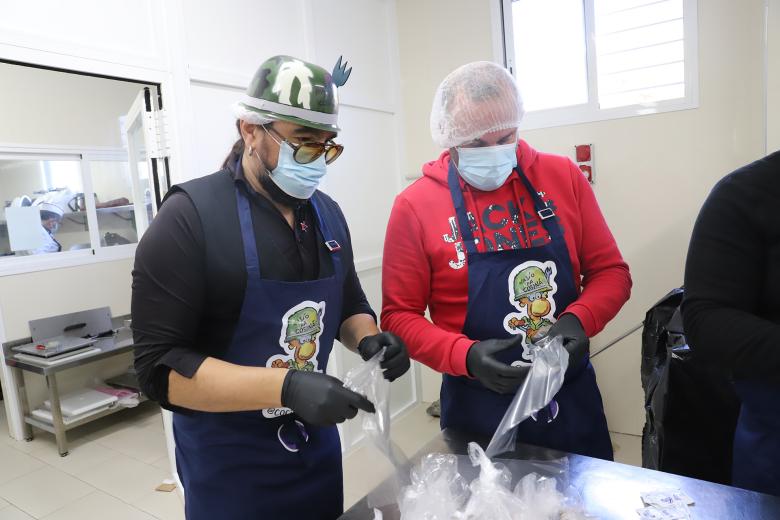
{"x": 588, "y": 172}
{"x": 583, "y": 154}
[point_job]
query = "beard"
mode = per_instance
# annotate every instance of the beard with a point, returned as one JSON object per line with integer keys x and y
{"x": 276, "y": 193}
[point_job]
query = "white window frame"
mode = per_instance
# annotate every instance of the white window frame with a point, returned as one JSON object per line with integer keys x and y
{"x": 590, "y": 111}
{"x": 26, "y": 264}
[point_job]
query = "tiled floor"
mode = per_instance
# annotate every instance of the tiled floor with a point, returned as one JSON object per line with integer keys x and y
{"x": 112, "y": 470}
{"x": 115, "y": 463}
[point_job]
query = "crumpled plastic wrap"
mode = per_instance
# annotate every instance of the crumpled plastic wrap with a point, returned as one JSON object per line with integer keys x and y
{"x": 439, "y": 492}
{"x": 549, "y": 363}
{"x": 367, "y": 379}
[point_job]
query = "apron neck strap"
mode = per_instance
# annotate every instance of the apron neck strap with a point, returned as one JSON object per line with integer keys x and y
{"x": 251, "y": 259}
{"x": 330, "y": 241}
{"x": 546, "y": 214}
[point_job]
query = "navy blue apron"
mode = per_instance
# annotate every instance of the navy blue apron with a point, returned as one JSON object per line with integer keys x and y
{"x": 268, "y": 464}
{"x": 757, "y": 438}
{"x": 522, "y": 291}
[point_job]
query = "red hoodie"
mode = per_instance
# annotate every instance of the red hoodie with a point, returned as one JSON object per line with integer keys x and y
{"x": 421, "y": 268}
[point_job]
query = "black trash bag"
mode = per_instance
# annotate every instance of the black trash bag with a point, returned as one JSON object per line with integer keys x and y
{"x": 691, "y": 408}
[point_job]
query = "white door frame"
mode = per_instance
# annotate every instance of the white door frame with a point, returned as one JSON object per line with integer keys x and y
{"x": 13, "y": 408}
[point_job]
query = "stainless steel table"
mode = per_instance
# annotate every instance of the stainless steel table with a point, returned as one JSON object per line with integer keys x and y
{"x": 108, "y": 347}
{"x": 609, "y": 490}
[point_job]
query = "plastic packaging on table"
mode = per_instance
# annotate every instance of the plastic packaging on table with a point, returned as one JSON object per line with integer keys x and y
{"x": 534, "y": 497}
{"x": 438, "y": 492}
{"x": 367, "y": 379}
{"x": 549, "y": 363}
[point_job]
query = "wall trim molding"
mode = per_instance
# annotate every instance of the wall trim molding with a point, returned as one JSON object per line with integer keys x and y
{"x": 369, "y": 263}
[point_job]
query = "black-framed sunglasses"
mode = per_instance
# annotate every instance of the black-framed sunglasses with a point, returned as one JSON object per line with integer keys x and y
{"x": 309, "y": 152}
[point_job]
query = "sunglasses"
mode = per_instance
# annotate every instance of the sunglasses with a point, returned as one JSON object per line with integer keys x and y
{"x": 309, "y": 152}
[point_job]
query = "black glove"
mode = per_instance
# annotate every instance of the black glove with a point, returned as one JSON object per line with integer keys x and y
{"x": 575, "y": 341}
{"x": 321, "y": 399}
{"x": 494, "y": 374}
{"x": 396, "y": 361}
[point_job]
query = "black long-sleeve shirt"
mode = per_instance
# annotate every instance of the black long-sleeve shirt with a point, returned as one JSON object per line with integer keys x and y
{"x": 170, "y": 294}
{"x": 731, "y": 308}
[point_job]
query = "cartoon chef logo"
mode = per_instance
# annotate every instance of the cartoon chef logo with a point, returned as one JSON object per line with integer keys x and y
{"x": 532, "y": 289}
{"x": 300, "y": 340}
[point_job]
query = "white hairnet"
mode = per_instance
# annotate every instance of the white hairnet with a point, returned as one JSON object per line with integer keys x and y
{"x": 250, "y": 116}
{"x": 55, "y": 201}
{"x": 474, "y": 99}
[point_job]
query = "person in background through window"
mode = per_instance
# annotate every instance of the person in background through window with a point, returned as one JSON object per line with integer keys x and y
{"x": 51, "y": 218}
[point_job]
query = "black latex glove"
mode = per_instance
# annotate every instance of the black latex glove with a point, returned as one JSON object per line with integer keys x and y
{"x": 321, "y": 399}
{"x": 575, "y": 341}
{"x": 396, "y": 361}
{"x": 494, "y": 374}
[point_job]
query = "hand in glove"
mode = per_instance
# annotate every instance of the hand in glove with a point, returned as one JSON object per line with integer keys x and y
{"x": 321, "y": 399}
{"x": 494, "y": 374}
{"x": 575, "y": 341}
{"x": 396, "y": 361}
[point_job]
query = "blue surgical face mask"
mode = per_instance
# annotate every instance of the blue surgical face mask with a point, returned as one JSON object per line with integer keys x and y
{"x": 487, "y": 168}
{"x": 296, "y": 179}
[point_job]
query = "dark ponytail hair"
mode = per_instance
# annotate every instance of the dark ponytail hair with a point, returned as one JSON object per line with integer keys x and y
{"x": 237, "y": 151}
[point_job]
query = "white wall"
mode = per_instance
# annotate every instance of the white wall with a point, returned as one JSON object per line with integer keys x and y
{"x": 652, "y": 172}
{"x": 773, "y": 76}
{"x": 436, "y": 36}
{"x": 51, "y": 108}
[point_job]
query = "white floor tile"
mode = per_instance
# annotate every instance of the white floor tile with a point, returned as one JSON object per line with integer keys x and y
{"x": 628, "y": 448}
{"x": 3, "y": 504}
{"x": 124, "y": 477}
{"x": 146, "y": 444}
{"x": 96, "y": 506}
{"x": 86, "y": 455}
{"x": 44, "y": 491}
{"x": 163, "y": 463}
{"x": 16, "y": 463}
{"x": 414, "y": 429}
{"x": 12, "y": 513}
{"x": 165, "y": 506}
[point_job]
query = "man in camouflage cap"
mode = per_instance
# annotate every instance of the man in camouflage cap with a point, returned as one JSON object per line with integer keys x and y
{"x": 231, "y": 262}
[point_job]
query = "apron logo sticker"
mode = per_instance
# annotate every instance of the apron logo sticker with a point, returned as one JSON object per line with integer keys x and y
{"x": 531, "y": 290}
{"x": 300, "y": 335}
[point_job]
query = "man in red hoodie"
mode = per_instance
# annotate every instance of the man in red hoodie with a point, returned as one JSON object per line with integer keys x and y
{"x": 503, "y": 245}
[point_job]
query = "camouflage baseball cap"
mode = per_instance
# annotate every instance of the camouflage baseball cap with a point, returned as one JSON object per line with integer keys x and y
{"x": 288, "y": 89}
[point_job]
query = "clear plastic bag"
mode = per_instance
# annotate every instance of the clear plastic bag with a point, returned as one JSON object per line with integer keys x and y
{"x": 490, "y": 492}
{"x": 367, "y": 379}
{"x": 437, "y": 490}
{"x": 549, "y": 363}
